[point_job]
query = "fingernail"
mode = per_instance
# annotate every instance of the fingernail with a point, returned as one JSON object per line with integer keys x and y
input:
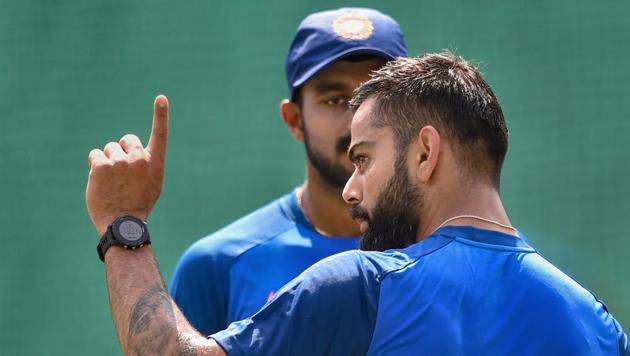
{"x": 161, "y": 99}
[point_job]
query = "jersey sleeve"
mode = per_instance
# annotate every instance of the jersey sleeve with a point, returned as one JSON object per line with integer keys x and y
{"x": 200, "y": 287}
{"x": 624, "y": 345}
{"x": 330, "y": 309}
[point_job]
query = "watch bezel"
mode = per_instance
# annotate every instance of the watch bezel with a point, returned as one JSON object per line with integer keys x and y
{"x": 118, "y": 236}
{"x": 113, "y": 237}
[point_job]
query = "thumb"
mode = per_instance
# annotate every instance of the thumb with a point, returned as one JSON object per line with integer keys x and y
{"x": 159, "y": 131}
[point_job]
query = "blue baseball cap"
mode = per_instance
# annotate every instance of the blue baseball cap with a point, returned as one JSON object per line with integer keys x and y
{"x": 328, "y": 36}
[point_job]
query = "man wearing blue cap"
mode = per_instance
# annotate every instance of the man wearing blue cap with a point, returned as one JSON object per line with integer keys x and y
{"x": 230, "y": 274}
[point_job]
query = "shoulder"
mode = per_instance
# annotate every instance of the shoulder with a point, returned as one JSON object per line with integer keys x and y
{"x": 355, "y": 270}
{"x": 371, "y": 266}
{"x": 217, "y": 252}
{"x": 243, "y": 234}
{"x": 333, "y": 301}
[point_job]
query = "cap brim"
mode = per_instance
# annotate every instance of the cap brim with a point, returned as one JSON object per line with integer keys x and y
{"x": 341, "y": 55}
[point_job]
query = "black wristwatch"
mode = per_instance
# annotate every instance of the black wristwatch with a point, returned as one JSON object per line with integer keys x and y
{"x": 127, "y": 231}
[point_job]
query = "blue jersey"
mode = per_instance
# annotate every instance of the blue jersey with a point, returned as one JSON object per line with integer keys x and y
{"x": 461, "y": 291}
{"x": 230, "y": 274}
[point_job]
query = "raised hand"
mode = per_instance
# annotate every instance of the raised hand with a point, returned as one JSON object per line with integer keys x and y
{"x": 125, "y": 177}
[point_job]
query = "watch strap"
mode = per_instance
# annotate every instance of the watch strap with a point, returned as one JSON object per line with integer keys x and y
{"x": 105, "y": 243}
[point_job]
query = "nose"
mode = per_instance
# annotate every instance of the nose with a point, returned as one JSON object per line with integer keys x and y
{"x": 352, "y": 192}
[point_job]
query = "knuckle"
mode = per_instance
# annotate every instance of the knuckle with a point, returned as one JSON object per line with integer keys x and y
{"x": 130, "y": 139}
{"x": 109, "y": 146}
{"x": 92, "y": 156}
{"x": 138, "y": 161}
{"x": 157, "y": 165}
{"x": 160, "y": 135}
{"x": 135, "y": 155}
{"x": 101, "y": 166}
{"x": 119, "y": 165}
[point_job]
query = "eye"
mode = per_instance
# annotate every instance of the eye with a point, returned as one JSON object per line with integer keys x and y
{"x": 336, "y": 101}
{"x": 360, "y": 162}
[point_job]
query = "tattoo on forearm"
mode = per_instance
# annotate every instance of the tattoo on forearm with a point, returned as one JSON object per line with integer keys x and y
{"x": 153, "y": 300}
{"x": 185, "y": 346}
{"x": 152, "y": 325}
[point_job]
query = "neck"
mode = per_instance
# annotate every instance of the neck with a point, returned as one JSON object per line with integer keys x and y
{"x": 479, "y": 200}
{"x": 325, "y": 208}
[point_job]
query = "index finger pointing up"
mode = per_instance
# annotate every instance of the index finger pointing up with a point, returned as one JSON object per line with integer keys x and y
{"x": 159, "y": 131}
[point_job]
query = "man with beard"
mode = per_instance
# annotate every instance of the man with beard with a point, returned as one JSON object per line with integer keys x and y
{"x": 230, "y": 274}
{"x": 428, "y": 142}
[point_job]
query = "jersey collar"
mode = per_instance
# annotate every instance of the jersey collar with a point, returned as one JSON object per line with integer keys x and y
{"x": 477, "y": 235}
{"x": 294, "y": 211}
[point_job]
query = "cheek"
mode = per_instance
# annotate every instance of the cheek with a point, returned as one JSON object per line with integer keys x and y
{"x": 370, "y": 190}
{"x": 325, "y": 134}
{"x": 320, "y": 137}
{"x": 375, "y": 180}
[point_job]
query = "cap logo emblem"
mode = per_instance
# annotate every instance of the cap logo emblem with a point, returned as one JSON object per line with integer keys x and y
{"x": 353, "y": 26}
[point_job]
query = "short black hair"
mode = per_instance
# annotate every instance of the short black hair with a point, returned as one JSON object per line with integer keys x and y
{"x": 448, "y": 92}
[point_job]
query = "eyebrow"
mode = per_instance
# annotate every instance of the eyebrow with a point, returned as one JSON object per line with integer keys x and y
{"x": 326, "y": 86}
{"x": 357, "y": 146}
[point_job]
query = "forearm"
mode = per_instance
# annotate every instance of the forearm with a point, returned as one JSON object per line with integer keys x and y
{"x": 146, "y": 318}
{"x": 126, "y": 179}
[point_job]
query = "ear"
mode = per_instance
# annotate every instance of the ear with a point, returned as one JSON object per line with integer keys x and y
{"x": 292, "y": 117}
{"x": 428, "y": 153}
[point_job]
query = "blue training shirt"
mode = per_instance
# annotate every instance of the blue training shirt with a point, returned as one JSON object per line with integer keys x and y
{"x": 230, "y": 274}
{"x": 461, "y": 291}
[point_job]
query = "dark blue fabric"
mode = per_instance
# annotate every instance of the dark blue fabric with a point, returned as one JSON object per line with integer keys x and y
{"x": 328, "y": 310}
{"x": 316, "y": 45}
{"x": 461, "y": 291}
{"x": 230, "y": 274}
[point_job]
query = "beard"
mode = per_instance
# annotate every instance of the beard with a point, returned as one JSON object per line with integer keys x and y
{"x": 335, "y": 174}
{"x": 393, "y": 223}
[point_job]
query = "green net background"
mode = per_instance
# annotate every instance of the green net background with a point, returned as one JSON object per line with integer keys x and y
{"x": 77, "y": 74}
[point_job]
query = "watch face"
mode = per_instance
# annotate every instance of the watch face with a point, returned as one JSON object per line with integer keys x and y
{"x": 130, "y": 230}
